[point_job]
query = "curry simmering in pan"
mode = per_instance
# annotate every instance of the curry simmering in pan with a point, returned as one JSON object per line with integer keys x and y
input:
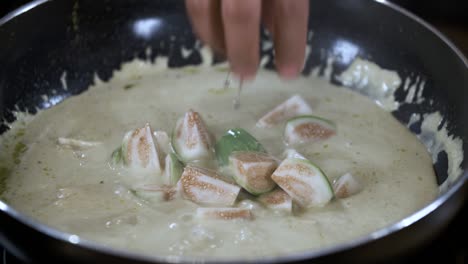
{"x": 157, "y": 161}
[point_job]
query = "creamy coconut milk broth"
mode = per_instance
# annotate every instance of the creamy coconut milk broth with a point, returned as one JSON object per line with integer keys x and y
{"x": 79, "y": 191}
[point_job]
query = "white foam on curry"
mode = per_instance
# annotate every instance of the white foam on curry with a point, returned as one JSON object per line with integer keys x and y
{"x": 148, "y": 52}
{"x": 266, "y": 45}
{"x": 437, "y": 140}
{"x": 207, "y": 56}
{"x": 407, "y": 83}
{"x": 63, "y": 80}
{"x": 45, "y": 98}
{"x": 369, "y": 79}
{"x": 315, "y": 72}
{"x": 413, "y": 119}
{"x": 308, "y": 50}
{"x": 380, "y": 85}
{"x": 415, "y": 91}
{"x": 419, "y": 96}
{"x": 310, "y": 35}
{"x": 329, "y": 68}
{"x": 133, "y": 69}
{"x": 185, "y": 52}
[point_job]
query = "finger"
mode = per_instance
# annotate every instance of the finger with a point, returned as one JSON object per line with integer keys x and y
{"x": 205, "y": 16}
{"x": 241, "y": 20}
{"x": 267, "y": 16}
{"x": 290, "y": 23}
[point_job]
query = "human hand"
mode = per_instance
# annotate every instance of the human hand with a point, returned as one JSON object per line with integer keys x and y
{"x": 232, "y": 28}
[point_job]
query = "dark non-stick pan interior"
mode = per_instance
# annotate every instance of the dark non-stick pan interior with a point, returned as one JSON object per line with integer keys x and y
{"x": 79, "y": 39}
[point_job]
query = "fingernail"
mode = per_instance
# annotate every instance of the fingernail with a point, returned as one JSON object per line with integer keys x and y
{"x": 289, "y": 71}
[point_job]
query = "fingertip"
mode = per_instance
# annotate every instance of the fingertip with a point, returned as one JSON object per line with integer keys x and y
{"x": 206, "y": 22}
{"x": 244, "y": 73}
{"x": 290, "y": 36}
{"x": 289, "y": 71}
{"x": 241, "y": 20}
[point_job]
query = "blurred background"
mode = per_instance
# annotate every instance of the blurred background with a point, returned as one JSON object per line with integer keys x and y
{"x": 448, "y": 16}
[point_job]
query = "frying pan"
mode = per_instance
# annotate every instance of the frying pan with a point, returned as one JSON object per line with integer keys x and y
{"x": 43, "y": 40}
